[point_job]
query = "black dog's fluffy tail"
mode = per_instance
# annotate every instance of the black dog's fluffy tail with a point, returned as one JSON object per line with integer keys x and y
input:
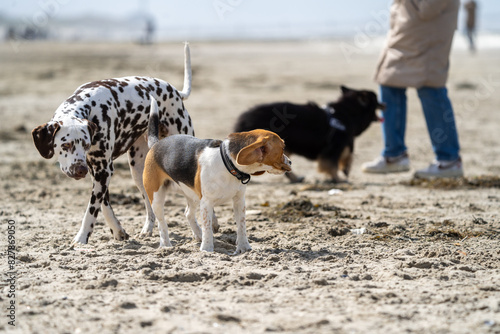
{"x": 154, "y": 123}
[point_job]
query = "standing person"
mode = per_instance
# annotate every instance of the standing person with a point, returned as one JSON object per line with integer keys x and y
{"x": 150, "y": 29}
{"x": 417, "y": 55}
{"x": 470, "y": 23}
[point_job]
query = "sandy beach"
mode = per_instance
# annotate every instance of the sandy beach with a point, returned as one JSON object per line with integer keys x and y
{"x": 383, "y": 254}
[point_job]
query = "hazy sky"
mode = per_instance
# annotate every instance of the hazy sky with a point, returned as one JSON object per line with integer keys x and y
{"x": 198, "y": 16}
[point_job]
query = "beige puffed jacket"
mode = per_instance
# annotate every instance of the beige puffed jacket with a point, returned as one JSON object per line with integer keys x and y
{"x": 418, "y": 44}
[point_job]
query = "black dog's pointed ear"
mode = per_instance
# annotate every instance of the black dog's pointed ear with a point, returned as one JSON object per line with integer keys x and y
{"x": 344, "y": 89}
{"x": 43, "y": 137}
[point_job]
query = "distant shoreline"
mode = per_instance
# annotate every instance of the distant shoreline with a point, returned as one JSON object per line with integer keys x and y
{"x": 485, "y": 41}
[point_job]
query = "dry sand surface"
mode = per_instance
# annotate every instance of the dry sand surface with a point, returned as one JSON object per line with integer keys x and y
{"x": 427, "y": 262}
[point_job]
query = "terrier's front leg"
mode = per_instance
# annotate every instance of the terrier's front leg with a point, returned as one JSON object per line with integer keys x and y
{"x": 242, "y": 244}
{"x": 207, "y": 238}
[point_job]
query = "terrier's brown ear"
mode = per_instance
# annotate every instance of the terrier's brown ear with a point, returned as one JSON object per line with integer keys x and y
{"x": 43, "y": 137}
{"x": 254, "y": 150}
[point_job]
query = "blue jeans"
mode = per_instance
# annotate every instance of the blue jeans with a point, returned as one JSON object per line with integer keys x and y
{"x": 438, "y": 114}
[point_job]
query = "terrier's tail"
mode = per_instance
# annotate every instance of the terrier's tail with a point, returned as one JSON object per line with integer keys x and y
{"x": 154, "y": 123}
{"x": 186, "y": 90}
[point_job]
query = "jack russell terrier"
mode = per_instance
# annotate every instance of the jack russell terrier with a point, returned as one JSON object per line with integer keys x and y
{"x": 208, "y": 172}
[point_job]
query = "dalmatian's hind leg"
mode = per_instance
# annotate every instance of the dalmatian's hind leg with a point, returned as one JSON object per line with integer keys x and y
{"x": 136, "y": 157}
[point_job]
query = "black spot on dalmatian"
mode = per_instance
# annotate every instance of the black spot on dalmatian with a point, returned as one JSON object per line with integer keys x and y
{"x": 179, "y": 124}
{"x": 97, "y": 155}
{"x": 106, "y": 199}
{"x": 135, "y": 120}
{"x": 102, "y": 146}
{"x": 130, "y": 106}
{"x": 181, "y": 112}
{"x": 126, "y": 122}
{"x": 95, "y": 120}
{"x": 94, "y": 103}
{"x": 106, "y": 118}
{"x": 88, "y": 236}
{"x": 139, "y": 91}
{"x": 74, "y": 98}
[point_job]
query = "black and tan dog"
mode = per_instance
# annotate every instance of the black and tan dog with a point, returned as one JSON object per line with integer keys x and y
{"x": 208, "y": 172}
{"x": 323, "y": 134}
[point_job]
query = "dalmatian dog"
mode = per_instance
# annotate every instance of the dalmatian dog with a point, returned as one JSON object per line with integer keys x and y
{"x": 101, "y": 121}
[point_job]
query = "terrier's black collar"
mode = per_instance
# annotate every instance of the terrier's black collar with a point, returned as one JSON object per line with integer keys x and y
{"x": 243, "y": 177}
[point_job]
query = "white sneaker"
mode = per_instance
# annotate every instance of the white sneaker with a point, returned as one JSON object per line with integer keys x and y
{"x": 384, "y": 165}
{"x": 443, "y": 168}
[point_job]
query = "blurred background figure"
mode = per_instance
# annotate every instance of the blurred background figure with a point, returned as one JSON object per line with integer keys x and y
{"x": 150, "y": 29}
{"x": 11, "y": 34}
{"x": 470, "y": 24}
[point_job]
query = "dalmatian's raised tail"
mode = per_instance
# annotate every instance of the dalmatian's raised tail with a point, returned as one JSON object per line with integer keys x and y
{"x": 186, "y": 89}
